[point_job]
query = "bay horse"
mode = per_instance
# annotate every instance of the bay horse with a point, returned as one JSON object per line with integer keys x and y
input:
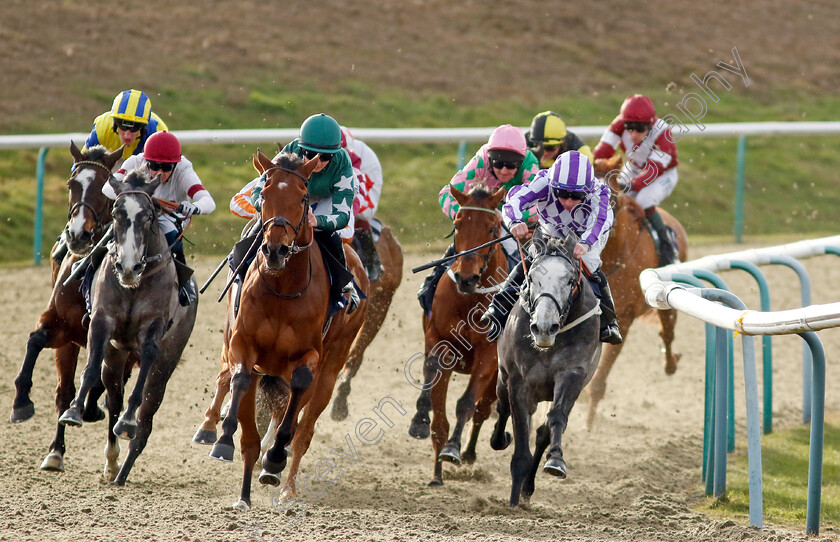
{"x": 455, "y": 340}
{"x": 379, "y": 301}
{"x": 548, "y": 351}
{"x": 134, "y": 308}
{"x": 61, "y": 325}
{"x": 282, "y": 331}
{"x": 629, "y": 250}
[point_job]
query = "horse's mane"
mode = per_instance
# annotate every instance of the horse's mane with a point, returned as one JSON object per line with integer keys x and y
{"x": 289, "y": 160}
{"x": 633, "y": 208}
{"x": 96, "y": 153}
{"x": 136, "y": 178}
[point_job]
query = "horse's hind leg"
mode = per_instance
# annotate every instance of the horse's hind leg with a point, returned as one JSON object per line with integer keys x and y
{"x": 206, "y": 433}
{"x": 482, "y": 412}
{"x": 114, "y": 385}
{"x": 127, "y": 425}
{"x": 567, "y": 388}
{"x": 598, "y": 385}
{"x": 153, "y": 392}
{"x": 668, "y": 320}
{"x": 65, "y": 364}
{"x": 373, "y": 321}
{"x": 23, "y": 408}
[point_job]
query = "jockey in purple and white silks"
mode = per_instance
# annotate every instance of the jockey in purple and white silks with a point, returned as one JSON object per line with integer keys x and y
{"x": 568, "y": 198}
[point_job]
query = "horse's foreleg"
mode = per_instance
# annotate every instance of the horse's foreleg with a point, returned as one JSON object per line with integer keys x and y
{"x": 667, "y": 321}
{"x": 522, "y": 457}
{"x": 439, "y": 425}
{"x": 98, "y": 340}
{"x": 432, "y": 375}
{"x": 240, "y": 383}
{"x": 249, "y": 441}
{"x": 149, "y": 348}
{"x": 274, "y": 460}
{"x": 206, "y": 433}
{"x": 23, "y": 408}
{"x": 567, "y": 388}
{"x": 482, "y": 412}
{"x": 598, "y": 386}
{"x": 482, "y": 375}
{"x": 543, "y": 438}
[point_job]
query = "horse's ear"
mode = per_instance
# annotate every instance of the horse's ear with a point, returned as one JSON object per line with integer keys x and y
{"x": 152, "y": 185}
{"x": 308, "y": 167}
{"x": 459, "y": 196}
{"x": 118, "y": 186}
{"x": 75, "y": 152}
{"x": 112, "y": 158}
{"x": 261, "y": 162}
{"x": 497, "y": 197}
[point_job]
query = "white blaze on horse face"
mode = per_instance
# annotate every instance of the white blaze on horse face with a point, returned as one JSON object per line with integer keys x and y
{"x": 130, "y": 252}
{"x": 551, "y": 276}
{"x": 85, "y": 177}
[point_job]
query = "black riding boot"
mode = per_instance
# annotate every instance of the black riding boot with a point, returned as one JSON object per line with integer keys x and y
{"x": 609, "y": 327}
{"x": 342, "y": 278}
{"x": 499, "y": 310}
{"x": 426, "y": 293}
{"x": 187, "y": 293}
{"x": 668, "y": 253}
{"x": 368, "y": 254}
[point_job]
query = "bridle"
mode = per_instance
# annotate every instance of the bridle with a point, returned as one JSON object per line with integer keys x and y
{"x": 145, "y": 260}
{"x": 294, "y": 248}
{"x": 484, "y": 256}
{"x": 97, "y": 215}
{"x": 573, "y": 295}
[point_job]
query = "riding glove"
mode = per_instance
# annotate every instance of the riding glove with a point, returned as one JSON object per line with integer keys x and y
{"x": 187, "y": 209}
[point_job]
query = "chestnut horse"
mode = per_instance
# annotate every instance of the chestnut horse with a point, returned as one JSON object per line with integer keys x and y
{"x": 629, "y": 251}
{"x": 60, "y": 326}
{"x": 280, "y": 329}
{"x": 379, "y": 301}
{"x": 455, "y": 339}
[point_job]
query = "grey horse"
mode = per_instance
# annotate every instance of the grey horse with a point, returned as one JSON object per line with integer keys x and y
{"x": 548, "y": 351}
{"x": 135, "y": 308}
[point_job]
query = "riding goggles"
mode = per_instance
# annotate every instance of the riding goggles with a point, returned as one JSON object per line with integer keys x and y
{"x": 128, "y": 126}
{"x": 561, "y": 193}
{"x": 323, "y": 156}
{"x": 503, "y": 164}
{"x": 637, "y": 126}
{"x": 160, "y": 166}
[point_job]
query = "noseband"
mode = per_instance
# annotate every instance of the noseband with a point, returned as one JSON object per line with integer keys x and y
{"x": 572, "y": 295}
{"x": 485, "y": 257}
{"x": 281, "y": 222}
{"x": 97, "y": 215}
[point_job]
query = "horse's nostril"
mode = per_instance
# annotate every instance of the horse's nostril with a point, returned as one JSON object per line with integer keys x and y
{"x": 138, "y": 268}
{"x": 534, "y": 329}
{"x": 265, "y": 250}
{"x": 118, "y": 266}
{"x": 554, "y": 329}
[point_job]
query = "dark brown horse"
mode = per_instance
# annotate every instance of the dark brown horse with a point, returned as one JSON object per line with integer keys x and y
{"x": 630, "y": 250}
{"x": 455, "y": 339}
{"x": 279, "y": 330}
{"x": 60, "y": 326}
{"x": 379, "y": 301}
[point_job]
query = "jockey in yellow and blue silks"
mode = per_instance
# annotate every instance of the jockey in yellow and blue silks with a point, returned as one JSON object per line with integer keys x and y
{"x": 332, "y": 188}
{"x": 128, "y": 124}
{"x": 548, "y": 138}
{"x": 568, "y": 198}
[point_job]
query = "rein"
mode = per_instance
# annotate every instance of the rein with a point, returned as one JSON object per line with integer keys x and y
{"x": 154, "y": 225}
{"x": 486, "y": 257}
{"x": 97, "y": 215}
{"x": 572, "y": 295}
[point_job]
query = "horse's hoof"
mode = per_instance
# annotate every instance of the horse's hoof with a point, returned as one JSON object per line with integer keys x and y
{"x": 671, "y": 364}
{"x": 222, "y": 452}
{"x": 204, "y": 436}
{"x": 436, "y": 482}
{"x": 269, "y": 478}
{"x": 555, "y": 467}
{"x": 339, "y": 411}
{"x": 125, "y": 430}
{"x": 21, "y": 414}
{"x": 54, "y": 462}
{"x": 419, "y": 429}
{"x": 502, "y": 443}
{"x": 241, "y": 505}
{"x": 450, "y": 453}
{"x": 92, "y": 415}
{"x": 273, "y": 467}
{"x": 116, "y": 483}
{"x": 71, "y": 417}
